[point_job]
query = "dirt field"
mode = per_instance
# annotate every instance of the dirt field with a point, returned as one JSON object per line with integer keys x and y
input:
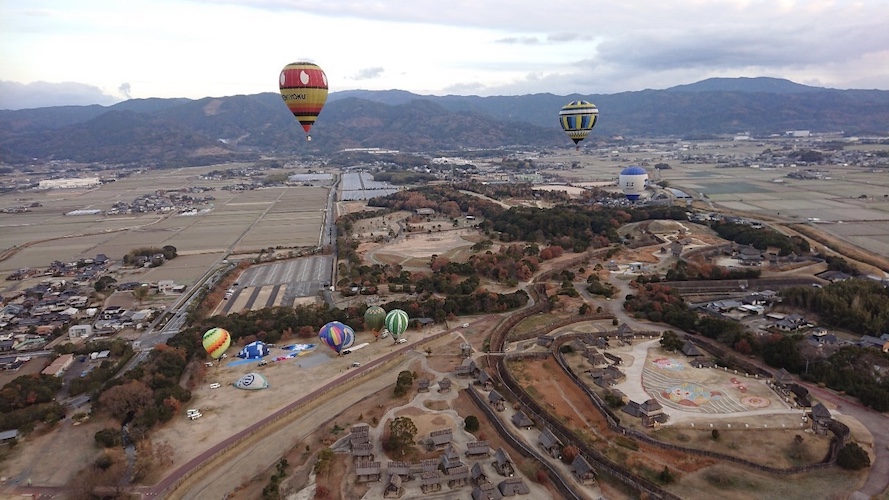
{"x": 54, "y": 457}
{"x": 423, "y": 245}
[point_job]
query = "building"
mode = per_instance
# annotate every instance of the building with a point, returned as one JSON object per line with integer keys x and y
{"x": 477, "y": 474}
{"x": 363, "y": 452}
{"x": 368, "y": 471}
{"x": 444, "y": 385}
{"x": 820, "y": 419}
{"x": 393, "y": 487}
{"x": 71, "y": 183}
{"x": 520, "y": 420}
{"x": 458, "y": 476}
{"x": 359, "y": 434}
{"x": 496, "y": 400}
{"x": 450, "y": 459}
{"x": 503, "y": 463}
{"x": 9, "y": 436}
{"x": 582, "y": 470}
{"x": 430, "y": 481}
{"x": 58, "y": 367}
{"x": 486, "y": 491}
{"x": 477, "y": 449}
{"x": 440, "y": 439}
{"x": 485, "y": 380}
{"x": 80, "y": 332}
{"x": 400, "y": 469}
{"x": 550, "y": 443}
{"x": 513, "y": 486}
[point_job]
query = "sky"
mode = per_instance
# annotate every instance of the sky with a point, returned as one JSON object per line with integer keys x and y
{"x": 64, "y": 52}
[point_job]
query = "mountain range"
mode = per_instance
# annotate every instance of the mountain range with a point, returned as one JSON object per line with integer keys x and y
{"x": 180, "y": 132}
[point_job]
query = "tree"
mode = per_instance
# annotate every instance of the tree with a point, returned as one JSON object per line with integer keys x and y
{"x": 401, "y": 435}
{"x": 853, "y": 457}
{"x": 108, "y": 437}
{"x": 569, "y": 453}
{"x": 140, "y": 293}
{"x": 671, "y": 341}
{"x": 471, "y": 423}
{"x": 403, "y": 383}
{"x": 169, "y": 252}
{"x": 130, "y": 397}
{"x": 665, "y": 476}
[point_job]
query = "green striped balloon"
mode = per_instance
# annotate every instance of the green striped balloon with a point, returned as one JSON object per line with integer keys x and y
{"x": 396, "y": 322}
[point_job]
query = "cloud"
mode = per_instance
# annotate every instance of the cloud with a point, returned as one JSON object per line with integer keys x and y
{"x": 14, "y": 95}
{"x": 124, "y": 90}
{"x": 522, "y": 40}
{"x": 368, "y": 73}
{"x": 568, "y": 37}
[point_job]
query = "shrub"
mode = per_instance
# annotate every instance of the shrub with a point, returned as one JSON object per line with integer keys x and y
{"x": 471, "y": 423}
{"x": 108, "y": 437}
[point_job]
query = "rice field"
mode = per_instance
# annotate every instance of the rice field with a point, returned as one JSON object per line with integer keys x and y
{"x": 235, "y": 221}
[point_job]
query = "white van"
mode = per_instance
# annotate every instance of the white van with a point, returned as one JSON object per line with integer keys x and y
{"x": 215, "y": 385}
{"x": 356, "y": 364}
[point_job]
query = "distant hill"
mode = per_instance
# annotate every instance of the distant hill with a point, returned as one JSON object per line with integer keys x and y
{"x": 749, "y": 85}
{"x": 176, "y": 132}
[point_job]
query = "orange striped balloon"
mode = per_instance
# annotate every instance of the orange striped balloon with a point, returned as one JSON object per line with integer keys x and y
{"x": 216, "y": 341}
{"x": 304, "y": 89}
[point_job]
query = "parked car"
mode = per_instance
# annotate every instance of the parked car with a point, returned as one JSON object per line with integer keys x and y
{"x": 401, "y": 341}
{"x": 465, "y": 325}
{"x": 356, "y": 364}
{"x": 215, "y": 385}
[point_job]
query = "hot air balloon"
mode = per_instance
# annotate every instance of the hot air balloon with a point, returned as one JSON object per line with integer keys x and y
{"x": 304, "y": 89}
{"x": 216, "y": 341}
{"x": 396, "y": 322}
{"x": 337, "y": 336}
{"x": 254, "y": 350}
{"x": 252, "y": 382}
{"x": 375, "y": 318}
{"x": 578, "y": 119}
{"x": 632, "y": 182}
